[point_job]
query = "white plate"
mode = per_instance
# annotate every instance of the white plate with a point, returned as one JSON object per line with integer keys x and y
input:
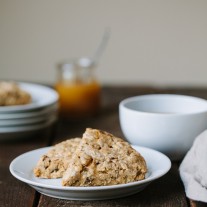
{"x": 26, "y": 121}
{"x": 22, "y": 168}
{"x": 42, "y": 96}
{"x": 22, "y": 128}
{"x": 24, "y": 132}
{"x": 13, "y": 133}
{"x": 30, "y": 114}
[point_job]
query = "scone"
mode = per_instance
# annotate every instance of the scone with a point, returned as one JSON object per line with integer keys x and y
{"x": 102, "y": 159}
{"x": 12, "y": 94}
{"x": 54, "y": 163}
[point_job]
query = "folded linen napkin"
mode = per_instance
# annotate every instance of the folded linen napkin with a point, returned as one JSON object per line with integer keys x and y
{"x": 193, "y": 169}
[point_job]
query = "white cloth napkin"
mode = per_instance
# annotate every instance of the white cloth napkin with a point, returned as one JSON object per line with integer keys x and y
{"x": 193, "y": 169}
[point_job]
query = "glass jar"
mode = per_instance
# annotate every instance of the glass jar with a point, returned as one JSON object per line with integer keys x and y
{"x": 79, "y": 91}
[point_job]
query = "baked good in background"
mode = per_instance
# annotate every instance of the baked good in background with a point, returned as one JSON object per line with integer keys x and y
{"x": 11, "y": 94}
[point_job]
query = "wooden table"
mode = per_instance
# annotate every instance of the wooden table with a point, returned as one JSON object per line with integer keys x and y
{"x": 166, "y": 191}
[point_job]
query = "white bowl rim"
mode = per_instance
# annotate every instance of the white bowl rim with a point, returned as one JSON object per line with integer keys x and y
{"x": 123, "y": 103}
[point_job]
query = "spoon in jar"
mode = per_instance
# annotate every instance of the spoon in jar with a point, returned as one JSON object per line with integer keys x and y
{"x": 86, "y": 62}
{"x": 102, "y": 46}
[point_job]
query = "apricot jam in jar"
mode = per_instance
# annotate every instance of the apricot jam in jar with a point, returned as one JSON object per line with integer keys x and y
{"x": 79, "y": 91}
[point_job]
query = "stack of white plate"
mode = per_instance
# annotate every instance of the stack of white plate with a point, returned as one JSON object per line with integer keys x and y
{"x": 23, "y": 120}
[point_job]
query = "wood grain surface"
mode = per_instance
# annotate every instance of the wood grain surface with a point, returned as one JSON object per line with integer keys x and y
{"x": 166, "y": 191}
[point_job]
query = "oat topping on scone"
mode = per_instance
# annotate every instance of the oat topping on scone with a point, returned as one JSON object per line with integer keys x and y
{"x": 103, "y": 159}
{"x": 12, "y": 94}
{"x": 54, "y": 163}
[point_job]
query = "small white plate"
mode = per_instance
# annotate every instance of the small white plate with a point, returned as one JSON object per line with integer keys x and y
{"x": 22, "y": 168}
{"x": 29, "y": 114}
{"x": 24, "y": 131}
{"x": 25, "y": 121}
{"x": 42, "y": 96}
{"x": 20, "y": 128}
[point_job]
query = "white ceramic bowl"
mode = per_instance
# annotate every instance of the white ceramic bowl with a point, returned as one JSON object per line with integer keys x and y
{"x": 167, "y": 123}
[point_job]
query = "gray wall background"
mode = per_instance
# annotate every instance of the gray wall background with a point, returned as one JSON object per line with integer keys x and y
{"x": 158, "y": 42}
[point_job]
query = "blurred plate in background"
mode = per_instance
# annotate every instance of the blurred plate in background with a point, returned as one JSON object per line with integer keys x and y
{"x": 42, "y": 97}
{"x": 24, "y": 120}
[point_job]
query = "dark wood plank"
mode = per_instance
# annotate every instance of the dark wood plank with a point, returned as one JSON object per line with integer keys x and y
{"x": 12, "y": 191}
{"x": 197, "y": 204}
{"x": 166, "y": 191}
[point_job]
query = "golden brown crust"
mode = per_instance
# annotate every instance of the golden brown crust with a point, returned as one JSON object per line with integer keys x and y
{"x": 103, "y": 159}
{"x": 11, "y": 94}
{"x": 54, "y": 163}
